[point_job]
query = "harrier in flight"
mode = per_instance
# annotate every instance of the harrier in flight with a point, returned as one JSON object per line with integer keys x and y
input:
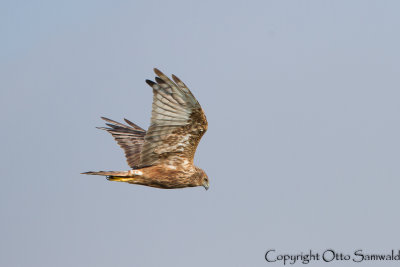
{"x": 162, "y": 157}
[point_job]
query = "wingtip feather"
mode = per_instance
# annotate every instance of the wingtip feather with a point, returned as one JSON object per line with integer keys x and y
{"x": 176, "y": 79}
{"x": 133, "y": 125}
{"x": 158, "y": 72}
{"x": 150, "y": 82}
{"x": 159, "y": 80}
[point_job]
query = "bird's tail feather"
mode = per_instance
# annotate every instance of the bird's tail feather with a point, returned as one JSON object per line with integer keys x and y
{"x": 115, "y": 176}
{"x": 109, "y": 173}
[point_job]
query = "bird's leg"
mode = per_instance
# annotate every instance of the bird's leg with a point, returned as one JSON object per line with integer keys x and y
{"x": 131, "y": 177}
{"x": 120, "y": 179}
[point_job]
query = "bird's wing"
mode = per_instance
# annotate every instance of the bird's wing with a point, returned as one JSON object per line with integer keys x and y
{"x": 177, "y": 124}
{"x": 129, "y": 138}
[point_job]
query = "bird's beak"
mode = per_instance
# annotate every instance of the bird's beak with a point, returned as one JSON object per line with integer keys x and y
{"x": 206, "y": 186}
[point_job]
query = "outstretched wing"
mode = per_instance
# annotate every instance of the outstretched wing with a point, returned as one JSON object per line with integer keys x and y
{"x": 129, "y": 138}
{"x": 177, "y": 124}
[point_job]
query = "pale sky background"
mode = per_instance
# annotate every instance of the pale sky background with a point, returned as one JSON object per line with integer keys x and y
{"x": 302, "y": 151}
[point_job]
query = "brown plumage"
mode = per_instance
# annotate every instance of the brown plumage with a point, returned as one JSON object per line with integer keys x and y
{"x": 163, "y": 156}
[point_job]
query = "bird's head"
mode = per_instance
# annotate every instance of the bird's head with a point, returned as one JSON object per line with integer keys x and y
{"x": 201, "y": 178}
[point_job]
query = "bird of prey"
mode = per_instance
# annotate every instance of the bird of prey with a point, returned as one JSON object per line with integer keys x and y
{"x": 162, "y": 157}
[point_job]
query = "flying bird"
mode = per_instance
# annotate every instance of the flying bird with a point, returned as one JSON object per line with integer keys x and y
{"x": 162, "y": 156}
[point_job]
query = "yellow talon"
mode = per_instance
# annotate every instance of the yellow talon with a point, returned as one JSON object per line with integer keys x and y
{"x": 119, "y": 179}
